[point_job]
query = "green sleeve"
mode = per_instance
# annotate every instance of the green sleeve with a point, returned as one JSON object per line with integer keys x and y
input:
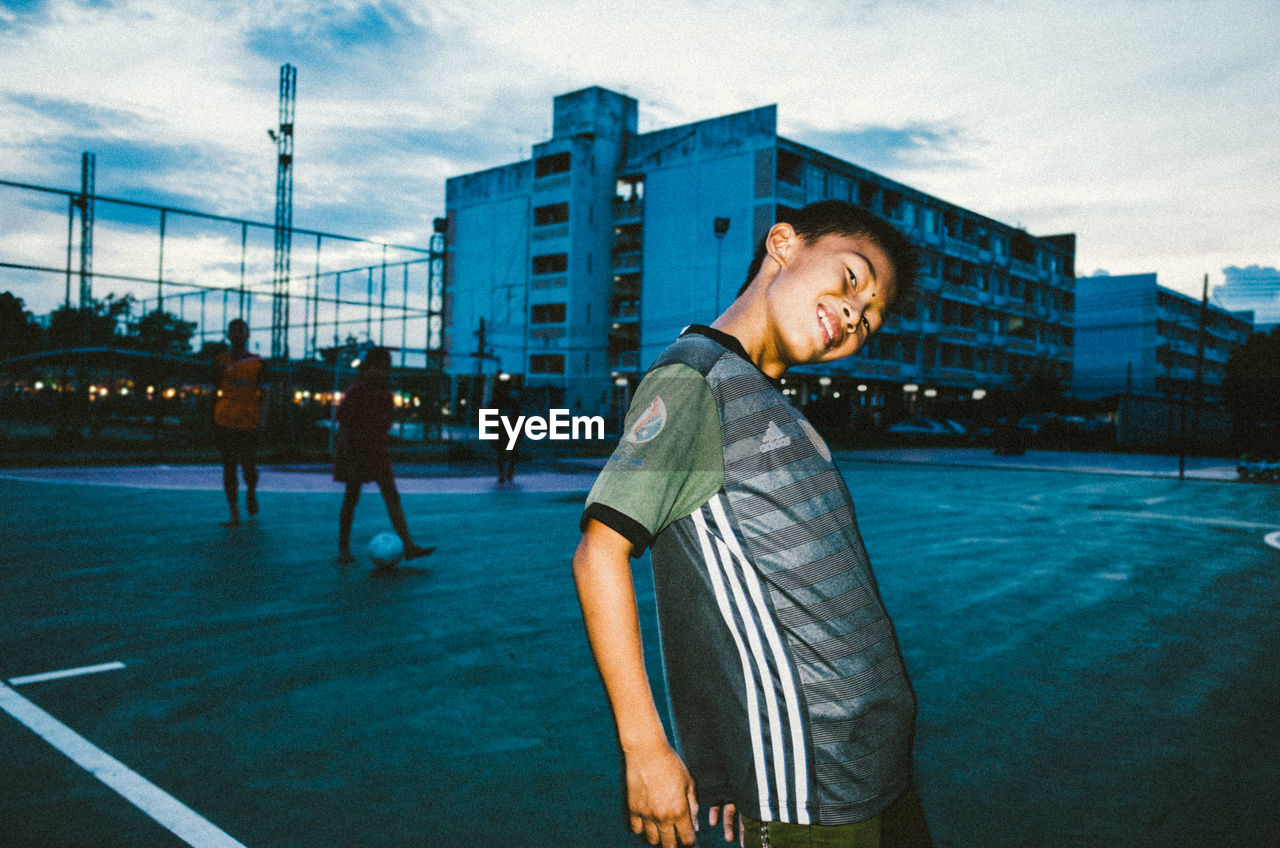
{"x": 668, "y": 462}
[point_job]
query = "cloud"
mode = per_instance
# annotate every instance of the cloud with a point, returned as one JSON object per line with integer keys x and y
{"x": 17, "y": 14}
{"x": 1144, "y": 128}
{"x": 891, "y": 148}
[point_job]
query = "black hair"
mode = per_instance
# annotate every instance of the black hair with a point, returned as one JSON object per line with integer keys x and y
{"x": 838, "y": 218}
{"x": 378, "y": 356}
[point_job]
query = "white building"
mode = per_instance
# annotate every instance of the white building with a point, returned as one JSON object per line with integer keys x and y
{"x": 1134, "y": 336}
{"x": 584, "y": 261}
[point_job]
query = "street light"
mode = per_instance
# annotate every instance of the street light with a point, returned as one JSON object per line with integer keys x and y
{"x": 720, "y": 226}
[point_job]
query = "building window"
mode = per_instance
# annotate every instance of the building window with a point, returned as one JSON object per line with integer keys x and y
{"x": 553, "y": 213}
{"x": 548, "y": 313}
{"x": 790, "y": 168}
{"x": 546, "y": 363}
{"x": 551, "y": 263}
{"x": 556, "y": 163}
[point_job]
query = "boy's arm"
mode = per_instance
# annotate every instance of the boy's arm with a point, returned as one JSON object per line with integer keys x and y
{"x": 264, "y": 389}
{"x": 661, "y": 801}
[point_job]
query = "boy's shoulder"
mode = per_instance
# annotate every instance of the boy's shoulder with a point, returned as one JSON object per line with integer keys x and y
{"x": 700, "y": 348}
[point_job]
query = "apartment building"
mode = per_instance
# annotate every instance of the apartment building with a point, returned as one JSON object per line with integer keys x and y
{"x": 569, "y": 272}
{"x": 1134, "y": 336}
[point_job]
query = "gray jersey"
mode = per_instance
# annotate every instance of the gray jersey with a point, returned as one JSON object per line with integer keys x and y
{"x": 788, "y": 691}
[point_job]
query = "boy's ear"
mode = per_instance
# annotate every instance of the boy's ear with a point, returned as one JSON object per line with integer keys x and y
{"x": 780, "y": 241}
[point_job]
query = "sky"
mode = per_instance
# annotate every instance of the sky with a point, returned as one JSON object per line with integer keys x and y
{"x": 1149, "y": 129}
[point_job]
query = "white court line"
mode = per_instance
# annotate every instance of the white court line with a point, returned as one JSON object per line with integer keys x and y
{"x": 1190, "y": 519}
{"x": 66, "y": 672}
{"x": 175, "y": 816}
{"x": 1272, "y": 539}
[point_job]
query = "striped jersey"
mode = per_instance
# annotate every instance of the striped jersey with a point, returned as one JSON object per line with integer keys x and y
{"x": 788, "y": 692}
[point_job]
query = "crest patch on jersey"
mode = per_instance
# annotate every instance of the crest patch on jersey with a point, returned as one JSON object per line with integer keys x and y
{"x": 650, "y": 423}
{"x": 819, "y": 445}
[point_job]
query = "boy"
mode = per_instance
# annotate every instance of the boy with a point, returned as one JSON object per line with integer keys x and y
{"x": 789, "y": 696}
{"x": 238, "y": 415}
{"x": 363, "y": 454}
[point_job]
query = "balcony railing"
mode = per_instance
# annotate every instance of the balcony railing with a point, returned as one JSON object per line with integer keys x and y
{"x": 624, "y": 310}
{"x": 625, "y": 210}
{"x": 624, "y": 261}
{"x": 625, "y": 360}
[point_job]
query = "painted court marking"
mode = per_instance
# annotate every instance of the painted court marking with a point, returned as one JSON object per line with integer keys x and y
{"x": 176, "y": 817}
{"x": 1272, "y": 539}
{"x": 1192, "y": 519}
{"x": 66, "y": 672}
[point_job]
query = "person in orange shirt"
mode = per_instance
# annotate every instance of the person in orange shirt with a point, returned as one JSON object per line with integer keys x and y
{"x": 238, "y": 416}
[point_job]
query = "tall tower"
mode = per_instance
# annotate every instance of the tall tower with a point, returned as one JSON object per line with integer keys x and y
{"x": 85, "y": 204}
{"x": 283, "y": 137}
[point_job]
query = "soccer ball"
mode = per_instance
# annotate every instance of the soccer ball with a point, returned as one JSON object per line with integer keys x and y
{"x": 385, "y": 550}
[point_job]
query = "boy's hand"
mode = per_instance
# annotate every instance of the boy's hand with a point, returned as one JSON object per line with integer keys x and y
{"x": 730, "y": 813}
{"x": 661, "y": 800}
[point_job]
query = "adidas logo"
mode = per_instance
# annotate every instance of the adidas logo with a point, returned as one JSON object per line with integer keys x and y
{"x": 774, "y": 438}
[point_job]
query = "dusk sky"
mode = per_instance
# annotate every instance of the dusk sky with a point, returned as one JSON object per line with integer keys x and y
{"x": 1149, "y": 129}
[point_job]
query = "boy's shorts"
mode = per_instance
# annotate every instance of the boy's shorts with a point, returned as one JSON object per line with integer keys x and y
{"x": 902, "y": 825}
{"x": 236, "y": 445}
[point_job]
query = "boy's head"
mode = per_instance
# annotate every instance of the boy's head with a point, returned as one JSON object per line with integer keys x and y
{"x": 821, "y": 284}
{"x": 835, "y": 217}
{"x": 376, "y": 359}
{"x": 237, "y": 332}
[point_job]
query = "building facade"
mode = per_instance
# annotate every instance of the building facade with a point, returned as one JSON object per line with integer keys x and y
{"x": 569, "y": 272}
{"x": 1252, "y": 292}
{"x": 1136, "y": 337}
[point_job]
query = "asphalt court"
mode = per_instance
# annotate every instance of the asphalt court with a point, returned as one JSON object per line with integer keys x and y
{"x": 1095, "y": 657}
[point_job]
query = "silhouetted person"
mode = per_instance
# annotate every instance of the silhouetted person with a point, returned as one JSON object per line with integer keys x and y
{"x": 239, "y": 416}
{"x": 363, "y": 452}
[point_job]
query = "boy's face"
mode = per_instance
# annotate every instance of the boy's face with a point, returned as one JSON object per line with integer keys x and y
{"x": 378, "y": 375}
{"x": 827, "y": 298}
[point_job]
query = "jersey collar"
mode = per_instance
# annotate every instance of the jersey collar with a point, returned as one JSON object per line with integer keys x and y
{"x": 719, "y": 337}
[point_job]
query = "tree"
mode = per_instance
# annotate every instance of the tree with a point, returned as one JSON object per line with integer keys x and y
{"x": 1251, "y": 390}
{"x": 93, "y": 325}
{"x": 19, "y": 331}
{"x": 163, "y": 332}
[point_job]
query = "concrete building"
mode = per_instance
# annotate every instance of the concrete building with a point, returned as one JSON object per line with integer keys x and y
{"x": 1134, "y": 336}
{"x": 1251, "y": 291}
{"x": 569, "y": 272}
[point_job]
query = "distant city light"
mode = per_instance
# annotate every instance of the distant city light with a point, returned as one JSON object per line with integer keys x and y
{"x": 930, "y": 392}
{"x": 911, "y": 387}
{"x": 862, "y": 387}
{"x": 979, "y": 394}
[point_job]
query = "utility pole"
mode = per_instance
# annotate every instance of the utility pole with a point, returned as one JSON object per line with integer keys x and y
{"x": 1204, "y": 315}
{"x": 84, "y": 202}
